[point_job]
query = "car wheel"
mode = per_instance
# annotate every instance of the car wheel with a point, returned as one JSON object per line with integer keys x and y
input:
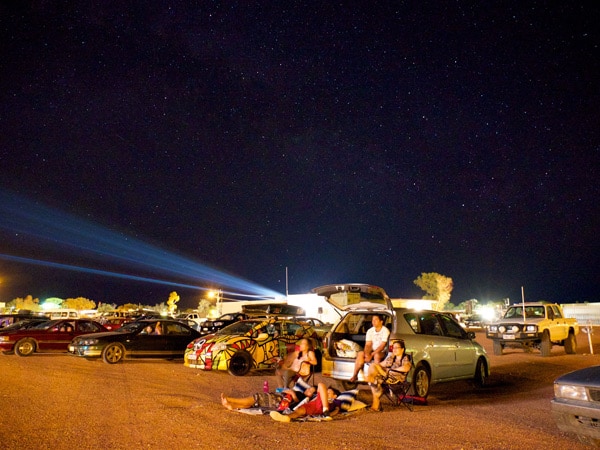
{"x": 546, "y": 346}
{"x": 25, "y": 347}
{"x": 480, "y": 378}
{"x": 113, "y": 353}
{"x": 421, "y": 381}
{"x": 240, "y": 364}
{"x": 571, "y": 344}
{"x": 498, "y": 348}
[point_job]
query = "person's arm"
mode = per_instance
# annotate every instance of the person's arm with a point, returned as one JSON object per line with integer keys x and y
{"x": 368, "y": 351}
{"x": 312, "y": 358}
{"x": 380, "y": 347}
{"x": 406, "y": 364}
{"x": 289, "y": 359}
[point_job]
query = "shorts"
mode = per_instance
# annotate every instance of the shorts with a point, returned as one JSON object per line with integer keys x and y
{"x": 314, "y": 407}
{"x": 267, "y": 400}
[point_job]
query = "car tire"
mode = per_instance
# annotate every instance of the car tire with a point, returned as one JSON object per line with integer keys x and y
{"x": 571, "y": 344}
{"x": 421, "y": 381}
{"x": 240, "y": 364}
{"x": 113, "y": 353}
{"x": 481, "y": 373}
{"x": 25, "y": 347}
{"x": 498, "y": 347}
{"x": 546, "y": 345}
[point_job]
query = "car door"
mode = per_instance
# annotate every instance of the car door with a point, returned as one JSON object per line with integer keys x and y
{"x": 441, "y": 350}
{"x": 177, "y": 337}
{"x": 464, "y": 351}
{"x": 146, "y": 343}
{"x": 58, "y": 336}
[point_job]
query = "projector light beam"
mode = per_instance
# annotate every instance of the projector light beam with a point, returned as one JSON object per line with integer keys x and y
{"x": 68, "y": 232}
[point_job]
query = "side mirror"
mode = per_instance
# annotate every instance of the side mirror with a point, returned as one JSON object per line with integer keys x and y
{"x": 471, "y": 335}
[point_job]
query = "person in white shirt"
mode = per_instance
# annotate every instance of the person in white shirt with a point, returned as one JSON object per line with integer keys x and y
{"x": 375, "y": 346}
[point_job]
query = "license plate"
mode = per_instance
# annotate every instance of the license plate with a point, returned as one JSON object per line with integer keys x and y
{"x": 508, "y": 336}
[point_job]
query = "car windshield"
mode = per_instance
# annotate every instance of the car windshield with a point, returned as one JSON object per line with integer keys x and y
{"x": 27, "y": 323}
{"x": 239, "y": 327}
{"x": 47, "y": 325}
{"x": 530, "y": 312}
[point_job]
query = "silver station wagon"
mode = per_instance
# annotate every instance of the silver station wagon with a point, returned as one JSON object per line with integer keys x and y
{"x": 441, "y": 349}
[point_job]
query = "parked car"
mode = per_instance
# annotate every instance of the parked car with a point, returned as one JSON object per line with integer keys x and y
{"x": 114, "y": 323}
{"x": 194, "y": 317}
{"x": 10, "y": 319}
{"x": 321, "y": 328}
{"x": 212, "y": 326}
{"x": 25, "y": 323}
{"x": 146, "y": 338}
{"x": 51, "y": 335}
{"x": 576, "y": 404}
{"x": 250, "y": 344}
{"x": 441, "y": 349}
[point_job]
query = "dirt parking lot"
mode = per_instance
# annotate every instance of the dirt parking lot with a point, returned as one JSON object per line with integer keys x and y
{"x": 52, "y": 401}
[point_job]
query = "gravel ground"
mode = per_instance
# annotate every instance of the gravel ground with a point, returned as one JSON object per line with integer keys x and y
{"x": 56, "y": 401}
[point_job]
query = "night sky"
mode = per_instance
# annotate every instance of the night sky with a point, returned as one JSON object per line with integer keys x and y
{"x": 346, "y": 141}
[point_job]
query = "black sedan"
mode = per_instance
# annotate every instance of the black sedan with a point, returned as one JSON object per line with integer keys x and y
{"x": 576, "y": 404}
{"x": 150, "y": 338}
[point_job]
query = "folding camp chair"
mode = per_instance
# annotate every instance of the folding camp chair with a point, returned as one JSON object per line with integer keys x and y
{"x": 396, "y": 391}
{"x": 310, "y": 377}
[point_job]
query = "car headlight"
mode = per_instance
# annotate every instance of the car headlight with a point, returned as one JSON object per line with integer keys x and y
{"x": 493, "y": 328}
{"x": 88, "y": 341}
{"x": 218, "y": 324}
{"x": 4, "y": 339}
{"x": 571, "y": 392}
{"x": 502, "y": 329}
{"x": 531, "y": 328}
{"x": 219, "y": 347}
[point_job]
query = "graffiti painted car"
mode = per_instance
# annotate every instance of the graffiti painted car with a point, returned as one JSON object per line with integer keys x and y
{"x": 249, "y": 344}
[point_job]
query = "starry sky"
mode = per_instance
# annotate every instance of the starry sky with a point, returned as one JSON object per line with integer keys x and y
{"x": 345, "y": 141}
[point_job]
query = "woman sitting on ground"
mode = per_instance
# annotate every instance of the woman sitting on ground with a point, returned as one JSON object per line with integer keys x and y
{"x": 296, "y": 363}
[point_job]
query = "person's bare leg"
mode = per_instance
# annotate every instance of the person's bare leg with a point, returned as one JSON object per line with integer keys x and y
{"x": 297, "y": 413}
{"x": 377, "y": 392}
{"x": 375, "y": 370}
{"x": 358, "y": 365}
{"x": 236, "y": 403}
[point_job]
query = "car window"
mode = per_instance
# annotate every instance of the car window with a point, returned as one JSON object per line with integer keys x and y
{"x": 557, "y": 314}
{"x": 452, "y": 328}
{"x": 176, "y": 329}
{"x": 413, "y": 321}
{"x": 88, "y": 327}
{"x": 428, "y": 324}
{"x": 238, "y": 328}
